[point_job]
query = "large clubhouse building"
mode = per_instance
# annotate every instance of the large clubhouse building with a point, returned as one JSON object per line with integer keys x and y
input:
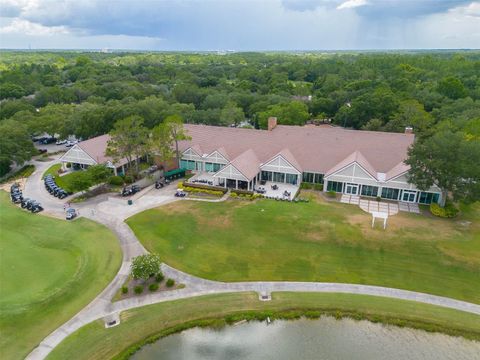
{"x": 363, "y": 163}
{"x": 353, "y": 162}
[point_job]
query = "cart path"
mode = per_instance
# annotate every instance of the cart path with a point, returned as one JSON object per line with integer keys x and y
{"x": 102, "y": 306}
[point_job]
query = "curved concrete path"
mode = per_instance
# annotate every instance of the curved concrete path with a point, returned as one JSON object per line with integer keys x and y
{"x": 99, "y": 210}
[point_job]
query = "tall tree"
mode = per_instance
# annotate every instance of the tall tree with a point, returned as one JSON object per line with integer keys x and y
{"x": 128, "y": 139}
{"x": 174, "y": 124}
{"x": 449, "y": 160}
{"x": 161, "y": 144}
{"x": 16, "y": 145}
{"x": 232, "y": 114}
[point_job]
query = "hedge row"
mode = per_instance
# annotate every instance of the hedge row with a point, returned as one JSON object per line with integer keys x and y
{"x": 205, "y": 187}
{"x": 243, "y": 192}
{"x": 251, "y": 196}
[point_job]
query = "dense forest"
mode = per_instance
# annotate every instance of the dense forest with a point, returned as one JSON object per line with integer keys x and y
{"x": 84, "y": 94}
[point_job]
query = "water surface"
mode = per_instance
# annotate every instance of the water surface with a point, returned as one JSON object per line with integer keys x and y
{"x": 324, "y": 339}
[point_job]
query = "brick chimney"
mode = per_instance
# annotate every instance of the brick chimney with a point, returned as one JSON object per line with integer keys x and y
{"x": 272, "y": 123}
{"x": 409, "y": 130}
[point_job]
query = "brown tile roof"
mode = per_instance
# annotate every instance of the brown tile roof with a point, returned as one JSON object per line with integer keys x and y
{"x": 247, "y": 163}
{"x": 316, "y": 149}
{"x": 287, "y": 155}
{"x": 96, "y": 147}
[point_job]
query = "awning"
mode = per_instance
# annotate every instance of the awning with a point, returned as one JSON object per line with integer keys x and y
{"x": 174, "y": 174}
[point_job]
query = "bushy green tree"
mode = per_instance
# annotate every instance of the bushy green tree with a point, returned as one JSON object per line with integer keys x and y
{"x": 144, "y": 266}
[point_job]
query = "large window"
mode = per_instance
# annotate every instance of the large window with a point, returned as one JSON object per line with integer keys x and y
{"x": 266, "y": 176}
{"x": 312, "y": 178}
{"x": 334, "y": 186}
{"x": 187, "y": 164}
{"x": 212, "y": 167}
{"x": 389, "y": 193}
{"x": 428, "y": 198}
{"x": 291, "y": 178}
{"x": 369, "y": 190}
{"x": 279, "y": 177}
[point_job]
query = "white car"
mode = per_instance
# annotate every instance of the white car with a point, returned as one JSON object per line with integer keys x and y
{"x": 61, "y": 142}
{"x": 70, "y": 143}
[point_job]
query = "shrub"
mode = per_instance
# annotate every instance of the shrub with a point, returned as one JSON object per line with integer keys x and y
{"x": 449, "y": 211}
{"x": 318, "y": 187}
{"x": 170, "y": 282}
{"x": 233, "y": 195}
{"x": 138, "y": 289}
{"x": 244, "y": 192}
{"x": 69, "y": 165}
{"x": 378, "y": 198}
{"x": 128, "y": 179}
{"x": 153, "y": 287}
{"x": 306, "y": 186}
{"x": 124, "y": 289}
{"x": 331, "y": 194}
{"x": 115, "y": 180}
{"x": 159, "y": 277}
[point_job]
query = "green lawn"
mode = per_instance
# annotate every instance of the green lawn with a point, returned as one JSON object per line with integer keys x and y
{"x": 93, "y": 341}
{"x": 49, "y": 270}
{"x": 316, "y": 241}
{"x": 65, "y": 181}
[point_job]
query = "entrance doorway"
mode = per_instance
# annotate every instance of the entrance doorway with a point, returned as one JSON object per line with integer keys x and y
{"x": 351, "y": 189}
{"x": 408, "y": 196}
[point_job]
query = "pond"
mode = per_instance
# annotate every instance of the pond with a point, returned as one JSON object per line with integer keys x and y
{"x": 325, "y": 338}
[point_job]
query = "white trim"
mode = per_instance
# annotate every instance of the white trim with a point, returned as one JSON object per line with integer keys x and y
{"x": 350, "y": 164}
{"x": 77, "y": 147}
{"x": 225, "y": 168}
{"x": 268, "y": 163}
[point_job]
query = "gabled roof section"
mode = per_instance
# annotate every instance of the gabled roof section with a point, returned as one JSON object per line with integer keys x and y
{"x": 96, "y": 148}
{"x": 287, "y": 155}
{"x": 355, "y": 157}
{"x": 222, "y": 152}
{"x": 397, "y": 170}
{"x": 197, "y": 149}
{"x": 247, "y": 163}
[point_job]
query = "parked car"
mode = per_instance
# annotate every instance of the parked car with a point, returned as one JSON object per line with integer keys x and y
{"x": 70, "y": 143}
{"x": 152, "y": 169}
{"x": 130, "y": 190}
{"x": 136, "y": 188}
{"x": 47, "y": 140}
{"x": 71, "y": 214}
{"x": 159, "y": 185}
{"x": 61, "y": 142}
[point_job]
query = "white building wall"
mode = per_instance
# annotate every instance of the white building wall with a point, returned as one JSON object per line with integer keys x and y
{"x": 279, "y": 164}
{"x": 215, "y": 157}
{"x": 230, "y": 172}
{"x": 78, "y": 156}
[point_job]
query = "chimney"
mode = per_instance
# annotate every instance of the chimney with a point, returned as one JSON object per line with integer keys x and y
{"x": 272, "y": 123}
{"x": 409, "y": 130}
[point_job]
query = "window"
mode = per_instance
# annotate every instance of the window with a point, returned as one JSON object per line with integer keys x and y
{"x": 369, "y": 190}
{"x": 266, "y": 176}
{"x": 291, "y": 179}
{"x": 428, "y": 198}
{"x": 187, "y": 164}
{"x": 312, "y": 178}
{"x": 389, "y": 193}
{"x": 318, "y": 179}
{"x": 334, "y": 186}
{"x": 278, "y": 177}
{"x": 308, "y": 177}
{"x": 212, "y": 167}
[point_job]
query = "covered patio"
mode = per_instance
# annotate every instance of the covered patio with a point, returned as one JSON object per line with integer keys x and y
{"x": 276, "y": 190}
{"x": 202, "y": 178}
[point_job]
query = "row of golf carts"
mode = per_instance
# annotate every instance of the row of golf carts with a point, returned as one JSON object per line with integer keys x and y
{"x": 53, "y": 188}
{"x": 17, "y": 198}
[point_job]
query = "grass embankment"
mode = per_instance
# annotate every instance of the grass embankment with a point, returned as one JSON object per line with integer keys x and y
{"x": 65, "y": 181}
{"x": 23, "y": 172}
{"x": 316, "y": 241}
{"x": 146, "y": 324}
{"x": 49, "y": 270}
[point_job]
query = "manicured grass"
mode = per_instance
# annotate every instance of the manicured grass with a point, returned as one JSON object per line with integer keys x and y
{"x": 316, "y": 241}
{"x": 49, "y": 270}
{"x": 146, "y": 324}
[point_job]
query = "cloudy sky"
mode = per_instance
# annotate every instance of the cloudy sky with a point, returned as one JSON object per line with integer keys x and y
{"x": 239, "y": 24}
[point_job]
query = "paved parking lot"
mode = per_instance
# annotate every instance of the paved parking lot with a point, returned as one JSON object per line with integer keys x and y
{"x": 376, "y": 206}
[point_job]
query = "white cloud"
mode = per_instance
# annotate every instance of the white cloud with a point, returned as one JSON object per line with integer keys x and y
{"x": 25, "y": 27}
{"x": 472, "y": 9}
{"x": 352, "y": 4}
